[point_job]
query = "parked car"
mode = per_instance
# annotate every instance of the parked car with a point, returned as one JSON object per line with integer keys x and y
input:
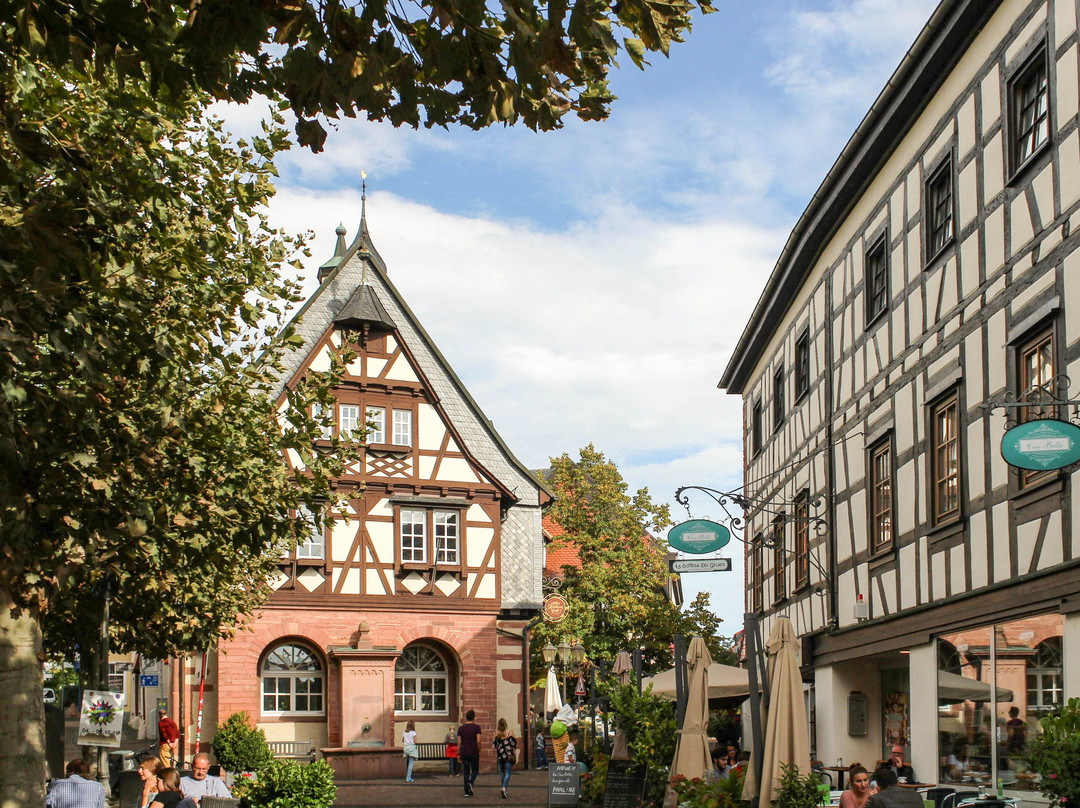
{"x": 49, "y": 696}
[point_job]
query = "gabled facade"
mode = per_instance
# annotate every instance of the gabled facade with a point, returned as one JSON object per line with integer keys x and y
{"x": 935, "y": 272}
{"x": 411, "y": 605}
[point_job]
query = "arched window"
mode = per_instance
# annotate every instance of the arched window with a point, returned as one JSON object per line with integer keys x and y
{"x": 421, "y": 682}
{"x": 293, "y": 682}
{"x": 1045, "y": 685}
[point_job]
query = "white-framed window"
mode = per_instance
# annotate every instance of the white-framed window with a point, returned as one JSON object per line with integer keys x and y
{"x": 402, "y": 427}
{"x": 447, "y": 537}
{"x": 348, "y": 419}
{"x": 313, "y": 540}
{"x": 326, "y": 430}
{"x": 421, "y": 682}
{"x": 1045, "y": 682}
{"x": 293, "y": 682}
{"x": 413, "y": 536}
{"x": 376, "y": 417}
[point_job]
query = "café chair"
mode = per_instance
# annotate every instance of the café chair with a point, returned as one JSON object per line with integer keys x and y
{"x": 938, "y": 795}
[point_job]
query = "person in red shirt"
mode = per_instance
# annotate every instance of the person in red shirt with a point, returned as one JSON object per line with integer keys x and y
{"x": 168, "y": 737}
{"x": 469, "y": 750}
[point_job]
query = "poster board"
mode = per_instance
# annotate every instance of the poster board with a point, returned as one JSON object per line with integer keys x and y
{"x": 564, "y": 785}
{"x": 625, "y": 786}
{"x": 101, "y": 718}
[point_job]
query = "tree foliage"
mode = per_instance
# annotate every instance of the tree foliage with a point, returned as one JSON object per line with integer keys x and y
{"x": 141, "y": 304}
{"x": 618, "y": 597}
{"x": 431, "y": 63}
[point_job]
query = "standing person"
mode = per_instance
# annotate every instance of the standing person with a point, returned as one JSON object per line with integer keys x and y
{"x": 541, "y": 748}
{"x": 469, "y": 750}
{"x": 168, "y": 738}
{"x": 76, "y": 790}
{"x": 859, "y": 793}
{"x": 148, "y": 772}
{"x": 408, "y": 743}
{"x": 452, "y": 750}
{"x": 202, "y": 783}
{"x": 890, "y": 795}
{"x": 505, "y": 753}
{"x": 1015, "y": 732}
{"x": 570, "y": 756}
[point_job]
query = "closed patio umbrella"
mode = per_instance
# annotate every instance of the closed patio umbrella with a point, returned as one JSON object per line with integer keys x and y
{"x": 787, "y": 735}
{"x": 552, "y": 698}
{"x": 692, "y": 758}
{"x": 622, "y": 668}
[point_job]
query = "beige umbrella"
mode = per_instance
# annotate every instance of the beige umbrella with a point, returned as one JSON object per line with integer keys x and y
{"x": 552, "y": 699}
{"x": 692, "y": 758}
{"x": 724, "y": 682}
{"x": 622, "y": 668}
{"x": 787, "y": 735}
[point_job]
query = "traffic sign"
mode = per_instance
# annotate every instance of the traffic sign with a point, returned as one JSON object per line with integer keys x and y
{"x": 701, "y": 565}
{"x": 698, "y": 536}
{"x": 148, "y": 680}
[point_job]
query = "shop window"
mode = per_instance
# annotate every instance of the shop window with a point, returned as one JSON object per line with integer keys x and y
{"x": 994, "y": 684}
{"x": 293, "y": 682}
{"x": 421, "y": 682}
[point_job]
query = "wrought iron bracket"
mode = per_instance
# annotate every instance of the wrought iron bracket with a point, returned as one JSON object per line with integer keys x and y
{"x": 783, "y": 513}
{"x": 1040, "y": 400}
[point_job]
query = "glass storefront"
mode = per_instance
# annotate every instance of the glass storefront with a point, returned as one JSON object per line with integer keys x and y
{"x": 994, "y": 684}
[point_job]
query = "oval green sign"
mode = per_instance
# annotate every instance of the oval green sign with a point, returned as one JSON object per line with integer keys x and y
{"x": 1041, "y": 445}
{"x": 698, "y": 536}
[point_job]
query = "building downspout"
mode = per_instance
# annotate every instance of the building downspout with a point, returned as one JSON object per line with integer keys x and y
{"x": 832, "y": 620}
{"x": 525, "y": 686}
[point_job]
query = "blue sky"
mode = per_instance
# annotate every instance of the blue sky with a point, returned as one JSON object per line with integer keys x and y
{"x": 588, "y": 285}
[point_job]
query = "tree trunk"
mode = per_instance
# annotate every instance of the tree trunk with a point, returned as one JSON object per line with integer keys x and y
{"x": 22, "y": 712}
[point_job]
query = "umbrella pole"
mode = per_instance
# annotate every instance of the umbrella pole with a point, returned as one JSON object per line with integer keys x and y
{"x": 750, "y": 625}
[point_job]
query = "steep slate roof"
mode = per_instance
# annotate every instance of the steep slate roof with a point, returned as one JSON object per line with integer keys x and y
{"x": 358, "y": 289}
{"x": 938, "y": 48}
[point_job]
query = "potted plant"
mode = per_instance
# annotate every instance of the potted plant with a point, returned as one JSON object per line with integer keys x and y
{"x": 240, "y": 747}
{"x": 1055, "y": 756}
{"x": 797, "y": 790}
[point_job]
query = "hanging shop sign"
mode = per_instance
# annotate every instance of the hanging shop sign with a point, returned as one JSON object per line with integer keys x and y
{"x": 555, "y": 608}
{"x": 698, "y": 536}
{"x": 700, "y": 565}
{"x": 1042, "y": 445}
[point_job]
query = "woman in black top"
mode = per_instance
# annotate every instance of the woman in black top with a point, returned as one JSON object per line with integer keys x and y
{"x": 505, "y": 751}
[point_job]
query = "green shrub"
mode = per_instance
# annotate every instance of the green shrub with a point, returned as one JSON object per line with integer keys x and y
{"x": 288, "y": 784}
{"x": 1055, "y": 755}
{"x": 240, "y": 747}
{"x": 797, "y": 790}
{"x": 719, "y": 792}
{"x": 649, "y": 724}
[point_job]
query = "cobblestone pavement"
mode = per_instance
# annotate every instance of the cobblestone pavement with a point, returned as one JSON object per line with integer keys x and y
{"x": 431, "y": 790}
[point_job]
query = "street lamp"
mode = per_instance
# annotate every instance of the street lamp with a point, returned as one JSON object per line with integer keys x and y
{"x": 565, "y": 654}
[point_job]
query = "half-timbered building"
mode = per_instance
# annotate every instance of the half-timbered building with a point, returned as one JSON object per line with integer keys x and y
{"x": 410, "y": 604}
{"x": 934, "y": 275}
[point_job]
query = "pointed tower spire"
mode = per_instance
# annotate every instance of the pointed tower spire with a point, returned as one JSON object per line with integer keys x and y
{"x": 362, "y": 244}
{"x": 339, "y": 253}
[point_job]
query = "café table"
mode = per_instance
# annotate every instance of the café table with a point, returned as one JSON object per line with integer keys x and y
{"x": 974, "y": 802}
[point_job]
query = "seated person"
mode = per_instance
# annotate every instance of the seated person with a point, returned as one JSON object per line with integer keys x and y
{"x": 202, "y": 783}
{"x": 859, "y": 793}
{"x": 76, "y": 790}
{"x": 891, "y": 795}
{"x": 903, "y": 772}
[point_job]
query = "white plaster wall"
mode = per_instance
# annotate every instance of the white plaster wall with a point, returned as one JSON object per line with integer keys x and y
{"x": 922, "y": 707}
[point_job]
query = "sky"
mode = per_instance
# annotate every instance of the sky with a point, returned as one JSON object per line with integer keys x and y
{"x": 589, "y": 285}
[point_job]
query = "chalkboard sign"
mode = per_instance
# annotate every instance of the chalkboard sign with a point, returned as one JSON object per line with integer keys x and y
{"x": 625, "y": 786}
{"x": 563, "y": 784}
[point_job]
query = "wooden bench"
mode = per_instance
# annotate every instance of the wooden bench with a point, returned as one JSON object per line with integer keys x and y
{"x": 293, "y": 750}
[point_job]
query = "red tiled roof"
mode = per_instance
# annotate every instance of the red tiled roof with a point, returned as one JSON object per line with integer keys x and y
{"x": 559, "y": 553}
